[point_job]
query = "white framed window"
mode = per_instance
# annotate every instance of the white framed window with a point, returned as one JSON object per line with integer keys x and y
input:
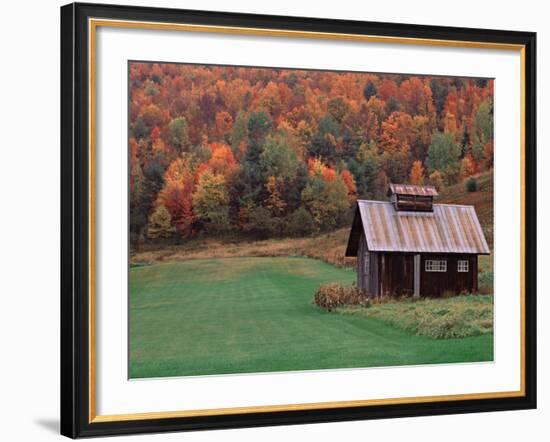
{"x": 463, "y": 265}
{"x": 436, "y": 265}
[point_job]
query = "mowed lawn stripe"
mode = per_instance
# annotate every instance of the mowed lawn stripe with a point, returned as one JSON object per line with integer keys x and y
{"x": 244, "y": 315}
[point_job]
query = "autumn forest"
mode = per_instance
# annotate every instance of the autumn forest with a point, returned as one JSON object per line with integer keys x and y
{"x": 265, "y": 152}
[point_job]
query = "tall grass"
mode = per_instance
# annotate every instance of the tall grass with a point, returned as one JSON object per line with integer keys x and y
{"x": 327, "y": 247}
{"x": 453, "y": 317}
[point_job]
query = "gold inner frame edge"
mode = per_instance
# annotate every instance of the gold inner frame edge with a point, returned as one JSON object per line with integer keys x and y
{"x": 93, "y": 24}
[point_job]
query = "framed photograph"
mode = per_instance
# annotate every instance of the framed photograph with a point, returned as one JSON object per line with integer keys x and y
{"x": 274, "y": 220}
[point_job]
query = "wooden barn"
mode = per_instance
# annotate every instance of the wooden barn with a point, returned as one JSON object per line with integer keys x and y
{"x": 411, "y": 246}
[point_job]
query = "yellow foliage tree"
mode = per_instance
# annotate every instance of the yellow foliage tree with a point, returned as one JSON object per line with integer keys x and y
{"x": 160, "y": 224}
{"x": 211, "y": 202}
{"x": 436, "y": 179}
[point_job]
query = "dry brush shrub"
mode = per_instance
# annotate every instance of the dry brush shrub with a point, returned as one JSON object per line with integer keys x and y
{"x": 331, "y": 296}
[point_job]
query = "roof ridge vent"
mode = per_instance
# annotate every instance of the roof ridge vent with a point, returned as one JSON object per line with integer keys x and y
{"x": 411, "y": 197}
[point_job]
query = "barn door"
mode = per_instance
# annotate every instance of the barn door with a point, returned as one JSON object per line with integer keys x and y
{"x": 400, "y": 275}
{"x": 408, "y": 274}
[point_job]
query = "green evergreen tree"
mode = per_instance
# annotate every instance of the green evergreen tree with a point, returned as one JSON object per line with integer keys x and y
{"x": 153, "y": 182}
{"x": 239, "y": 132}
{"x": 369, "y": 90}
{"x": 443, "y": 156}
{"x": 364, "y": 168}
{"x": 300, "y": 223}
{"x": 138, "y": 219}
{"x": 259, "y": 125}
{"x": 439, "y": 95}
{"x": 139, "y": 129}
{"x": 261, "y": 224}
{"x": 483, "y": 123}
{"x": 178, "y": 131}
{"x": 392, "y": 105}
{"x": 465, "y": 143}
{"x": 293, "y": 191}
{"x": 323, "y": 144}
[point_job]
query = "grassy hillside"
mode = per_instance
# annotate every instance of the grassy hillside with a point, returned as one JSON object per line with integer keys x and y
{"x": 482, "y": 200}
{"x": 328, "y": 247}
{"x": 242, "y": 315}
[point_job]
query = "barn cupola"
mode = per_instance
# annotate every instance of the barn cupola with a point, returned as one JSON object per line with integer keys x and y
{"x": 411, "y": 198}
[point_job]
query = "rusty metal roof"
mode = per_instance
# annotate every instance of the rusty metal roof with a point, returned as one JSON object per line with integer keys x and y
{"x": 410, "y": 189}
{"x": 448, "y": 229}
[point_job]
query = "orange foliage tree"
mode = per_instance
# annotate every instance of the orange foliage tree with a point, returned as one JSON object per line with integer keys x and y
{"x": 417, "y": 173}
{"x": 176, "y": 195}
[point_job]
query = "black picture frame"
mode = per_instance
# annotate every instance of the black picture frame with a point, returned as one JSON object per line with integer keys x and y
{"x": 75, "y": 221}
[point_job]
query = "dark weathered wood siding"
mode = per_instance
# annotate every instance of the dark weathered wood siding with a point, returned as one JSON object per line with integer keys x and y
{"x": 395, "y": 275}
{"x": 363, "y": 268}
{"x": 373, "y": 283}
{"x": 367, "y": 268}
{"x": 453, "y": 281}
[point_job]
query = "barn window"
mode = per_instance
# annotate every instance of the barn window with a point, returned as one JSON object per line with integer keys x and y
{"x": 436, "y": 265}
{"x": 463, "y": 265}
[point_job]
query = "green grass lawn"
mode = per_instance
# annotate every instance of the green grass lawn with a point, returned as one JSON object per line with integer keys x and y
{"x": 242, "y": 315}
